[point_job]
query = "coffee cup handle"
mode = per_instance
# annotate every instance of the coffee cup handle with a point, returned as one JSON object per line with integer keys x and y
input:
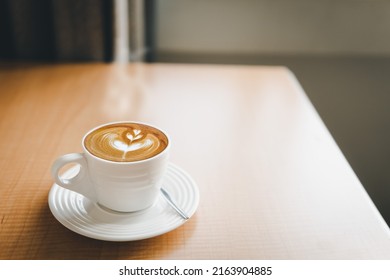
{"x": 81, "y": 182}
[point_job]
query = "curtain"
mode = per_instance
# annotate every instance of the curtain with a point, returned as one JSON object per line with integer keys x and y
{"x": 73, "y": 30}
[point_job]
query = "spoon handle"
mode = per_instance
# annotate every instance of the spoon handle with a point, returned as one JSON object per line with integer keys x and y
{"x": 173, "y": 204}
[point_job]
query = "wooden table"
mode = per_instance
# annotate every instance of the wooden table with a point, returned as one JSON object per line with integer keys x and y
{"x": 273, "y": 183}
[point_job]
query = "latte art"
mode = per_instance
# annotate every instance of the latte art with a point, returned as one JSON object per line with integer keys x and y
{"x": 125, "y": 142}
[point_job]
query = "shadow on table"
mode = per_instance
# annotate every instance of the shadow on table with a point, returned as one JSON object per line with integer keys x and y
{"x": 61, "y": 243}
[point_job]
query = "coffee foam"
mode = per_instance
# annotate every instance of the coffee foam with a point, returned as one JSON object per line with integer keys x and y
{"x": 126, "y": 142}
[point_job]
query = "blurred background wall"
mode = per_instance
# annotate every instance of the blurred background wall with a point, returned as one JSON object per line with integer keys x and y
{"x": 272, "y": 27}
{"x": 56, "y": 30}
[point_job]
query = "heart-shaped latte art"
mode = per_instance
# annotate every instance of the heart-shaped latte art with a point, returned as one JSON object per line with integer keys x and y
{"x": 126, "y": 142}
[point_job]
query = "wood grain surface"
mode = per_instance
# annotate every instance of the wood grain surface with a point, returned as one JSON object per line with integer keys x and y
{"x": 273, "y": 183}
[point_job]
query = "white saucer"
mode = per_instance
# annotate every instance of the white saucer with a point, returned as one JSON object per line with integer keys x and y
{"x": 82, "y": 216}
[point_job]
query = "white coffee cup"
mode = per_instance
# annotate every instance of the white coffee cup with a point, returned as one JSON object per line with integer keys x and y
{"x": 119, "y": 186}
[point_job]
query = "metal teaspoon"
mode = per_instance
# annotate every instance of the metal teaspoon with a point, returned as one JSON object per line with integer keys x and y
{"x": 173, "y": 204}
